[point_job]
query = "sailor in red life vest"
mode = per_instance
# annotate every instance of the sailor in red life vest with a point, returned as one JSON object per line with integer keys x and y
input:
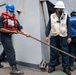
{"x": 9, "y": 25}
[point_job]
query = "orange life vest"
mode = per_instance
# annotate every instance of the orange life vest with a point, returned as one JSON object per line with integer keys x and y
{"x": 6, "y": 24}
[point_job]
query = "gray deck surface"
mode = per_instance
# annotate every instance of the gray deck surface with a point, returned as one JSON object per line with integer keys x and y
{"x": 31, "y": 71}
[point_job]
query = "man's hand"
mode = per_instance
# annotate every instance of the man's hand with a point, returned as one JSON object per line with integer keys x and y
{"x": 69, "y": 40}
{"x": 27, "y": 34}
{"x": 47, "y": 39}
{"x": 24, "y": 33}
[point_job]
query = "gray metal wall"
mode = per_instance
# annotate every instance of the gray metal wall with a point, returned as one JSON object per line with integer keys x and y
{"x": 32, "y": 19}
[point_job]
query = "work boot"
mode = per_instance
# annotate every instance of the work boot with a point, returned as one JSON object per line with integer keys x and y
{"x": 51, "y": 69}
{"x": 58, "y": 63}
{"x": 67, "y": 71}
{"x": 1, "y": 66}
{"x": 71, "y": 67}
{"x": 16, "y": 71}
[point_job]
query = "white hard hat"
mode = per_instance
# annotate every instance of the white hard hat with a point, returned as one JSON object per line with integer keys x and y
{"x": 59, "y": 4}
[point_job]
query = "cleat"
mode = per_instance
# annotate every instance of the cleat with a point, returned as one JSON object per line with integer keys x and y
{"x": 16, "y": 71}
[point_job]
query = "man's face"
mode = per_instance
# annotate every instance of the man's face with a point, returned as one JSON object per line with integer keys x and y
{"x": 10, "y": 13}
{"x": 59, "y": 10}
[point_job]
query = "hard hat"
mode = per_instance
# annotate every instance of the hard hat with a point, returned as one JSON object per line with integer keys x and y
{"x": 59, "y": 4}
{"x": 73, "y": 13}
{"x": 10, "y": 7}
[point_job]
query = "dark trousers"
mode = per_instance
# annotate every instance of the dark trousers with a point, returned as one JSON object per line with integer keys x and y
{"x": 8, "y": 48}
{"x": 2, "y": 56}
{"x": 75, "y": 51}
{"x": 72, "y": 52}
{"x": 54, "y": 41}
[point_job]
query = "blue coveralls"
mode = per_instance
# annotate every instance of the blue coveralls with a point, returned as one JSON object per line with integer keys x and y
{"x": 54, "y": 41}
{"x": 6, "y": 40}
{"x": 73, "y": 43}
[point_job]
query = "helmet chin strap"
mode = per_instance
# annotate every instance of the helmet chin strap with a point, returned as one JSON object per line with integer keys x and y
{"x": 10, "y": 13}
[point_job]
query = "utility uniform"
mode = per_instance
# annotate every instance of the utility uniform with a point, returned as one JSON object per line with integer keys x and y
{"x": 72, "y": 45}
{"x": 10, "y": 23}
{"x": 60, "y": 31}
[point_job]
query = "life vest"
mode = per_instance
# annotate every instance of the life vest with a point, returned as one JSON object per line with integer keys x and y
{"x": 58, "y": 27}
{"x": 10, "y": 23}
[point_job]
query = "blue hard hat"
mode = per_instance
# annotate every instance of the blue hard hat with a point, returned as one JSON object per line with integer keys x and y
{"x": 73, "y": 13}
{"x": 10, "y": 7}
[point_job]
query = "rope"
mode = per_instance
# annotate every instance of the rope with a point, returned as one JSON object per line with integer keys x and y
{"x": 53, "y": 47}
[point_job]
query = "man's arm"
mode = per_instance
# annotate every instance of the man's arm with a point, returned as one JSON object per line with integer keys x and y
{"x": 7, "y": 31}
{"x": 20, "y": 28}
{"x": 24, "y": 32}
{"x": 69, "y": 31}
{"x": 47, "y": 32}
